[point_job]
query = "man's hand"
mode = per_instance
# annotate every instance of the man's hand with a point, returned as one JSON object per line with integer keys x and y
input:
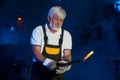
{"x": 50, "y": 64}
{"x": 63, "y": 69}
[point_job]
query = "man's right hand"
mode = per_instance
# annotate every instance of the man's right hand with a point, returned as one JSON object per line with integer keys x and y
{"x": 50, "y": 64}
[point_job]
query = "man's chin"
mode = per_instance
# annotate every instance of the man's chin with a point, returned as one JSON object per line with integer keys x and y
{"x": 56, "y": 29}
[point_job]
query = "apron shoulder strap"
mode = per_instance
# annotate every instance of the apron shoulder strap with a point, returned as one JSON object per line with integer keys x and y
{"x": 61, "y": 37}
{"x": 45, "y": 36}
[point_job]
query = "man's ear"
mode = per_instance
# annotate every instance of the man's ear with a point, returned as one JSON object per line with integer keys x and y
{"x": 49, "y": 18}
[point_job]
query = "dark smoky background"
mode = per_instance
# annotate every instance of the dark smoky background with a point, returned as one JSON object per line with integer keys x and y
{"x": 93, "y": 24}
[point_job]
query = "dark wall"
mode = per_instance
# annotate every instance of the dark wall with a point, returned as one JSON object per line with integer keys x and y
{"x": 93, "y": 24}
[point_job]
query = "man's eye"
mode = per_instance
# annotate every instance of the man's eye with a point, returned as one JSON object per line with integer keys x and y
{"x": 56, "y": 19}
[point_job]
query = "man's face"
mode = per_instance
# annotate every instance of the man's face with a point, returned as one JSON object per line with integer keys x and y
{"x": 55, "y": 22}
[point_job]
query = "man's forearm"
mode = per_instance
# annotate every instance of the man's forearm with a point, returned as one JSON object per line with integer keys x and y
{"x": 37, "y": 53}
{"x": 67, "y": 55}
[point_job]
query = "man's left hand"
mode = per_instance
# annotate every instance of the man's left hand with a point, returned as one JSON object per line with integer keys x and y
{"x": 63, "y": 69}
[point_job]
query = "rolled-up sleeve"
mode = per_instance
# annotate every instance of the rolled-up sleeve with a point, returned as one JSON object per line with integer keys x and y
{"x": 36, "y": 36}
{"x": 67, "y": 41}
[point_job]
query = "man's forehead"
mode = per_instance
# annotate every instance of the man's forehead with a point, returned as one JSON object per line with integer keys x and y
{"x": 57, "y": 16}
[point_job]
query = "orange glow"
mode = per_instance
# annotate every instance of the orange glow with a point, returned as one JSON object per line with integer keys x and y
{"x": 19, "y": 19}
{"x": 88, "y": 55}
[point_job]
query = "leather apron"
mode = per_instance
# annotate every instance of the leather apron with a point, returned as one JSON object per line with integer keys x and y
{"x": 52, "y": 51}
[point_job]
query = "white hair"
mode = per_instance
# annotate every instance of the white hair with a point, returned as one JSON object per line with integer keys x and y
{"x": 57, "y": 10}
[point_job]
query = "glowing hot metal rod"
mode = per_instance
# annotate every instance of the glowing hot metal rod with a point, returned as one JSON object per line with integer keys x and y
{"x": 88, "y": 55}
